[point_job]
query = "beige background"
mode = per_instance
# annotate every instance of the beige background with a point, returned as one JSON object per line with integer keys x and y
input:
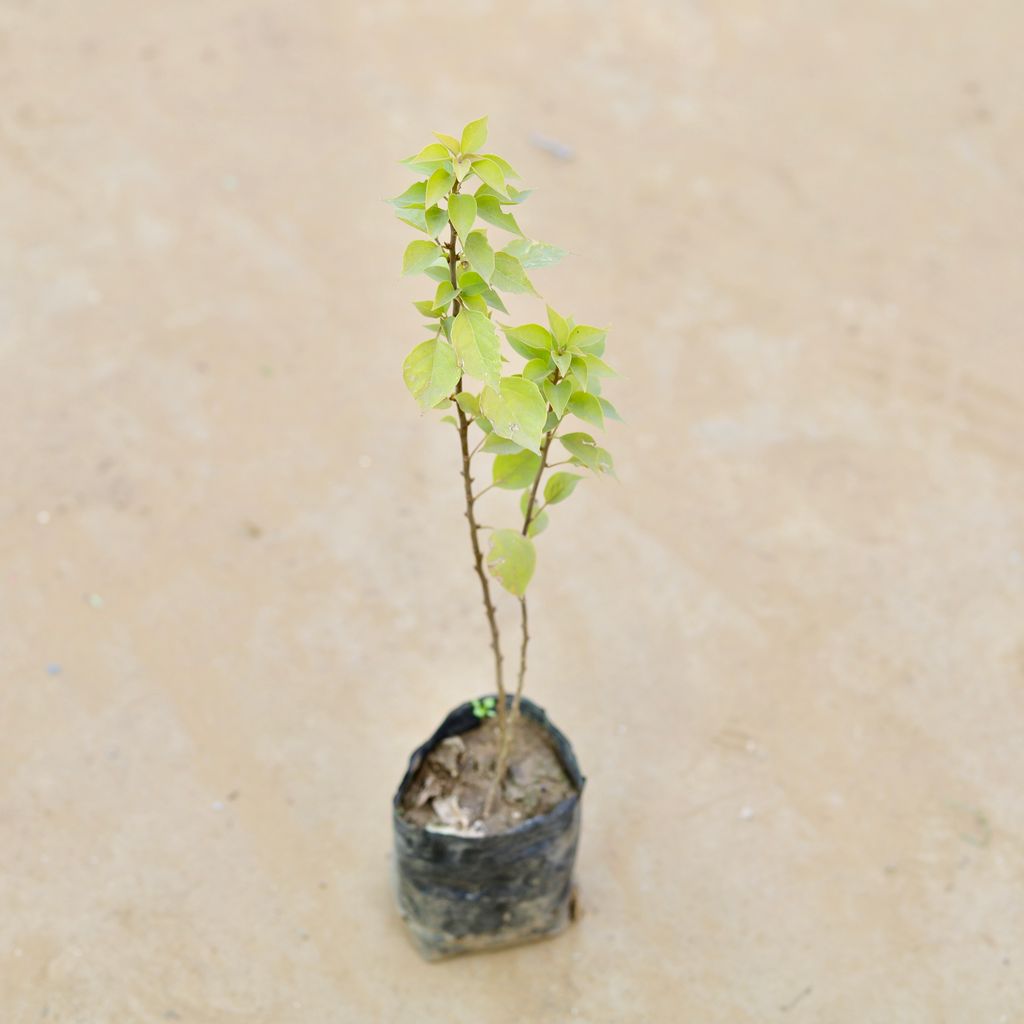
{"x": 235, "y": 584}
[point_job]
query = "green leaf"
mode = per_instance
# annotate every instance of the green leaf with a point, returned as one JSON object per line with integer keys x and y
{"x": 506, "y": 168}
{"x": 414, "y": 195}
{"x": 415, "y": 216}
{"x": 431, "y": 372}
{"x": 493, "y": 299}
{"x": 587, "y": 338}
{"x": 538, "y": 520}
{"x": 509, "y": 275}
{"x": 438, "y": 186}
{"x": 516, "y": 410}
{"x": 430, "y": 153}
{"x": 500, "y": 446}
{"x": 452, "y": 145}
{"x": 529, "y": 340}
{"x": 437, "y": 219}
{"x": 597, "y": 367}
{"x": 480, "y": 254}
{"x": 449, "y": 419}
{"x": 511, "y": 560}
{"x": 427, "y": 308}
{"x": 471, "y": 283}
{"x": 490, "y": 173}
{"x": 462, "y": 166}
{"x": 579, "y": 371}
{"x": 462, "y": 212}
{"x": 537, "y": 369}
{"x": 562, "y": 360}
{"x": 474, "y": 135}
{"x": 559, "y": 328}
{"x": 558, "y": 395}
{"x": 418, "y": 256}
{"x": 587, "y": 452}
{"x": 535, "y": 254}
{"x": 490, "y": 210}
{"x": 587, "y": 407}
{"x": 559, "y": 486}
{"x": 514, "y": 471}
{"x": 428, "y": 159}
{"x": 439, "y": 272}
{"x": 476, "y": 302}
{"x": 477, "y": 346}
{"x": 609, "y": 410}
{"x": 444, "y": 295}
{"x": 468, "y": 403}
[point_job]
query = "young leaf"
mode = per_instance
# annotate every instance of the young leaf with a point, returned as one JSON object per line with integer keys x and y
{"x": 529, "y": 340}
{"x": 414, "y": 216}
{"x": 452, "y": 145}
{"x": 586, "y": 338}
{"x": 428, "y": 154}
{"x": 579, "y": 371}
{"x": 535, "y": 254}
{"x": 418, "y": 256}
{"x": 560, "y": 486}
{"x": 587, "y": 452}
{"x": 500, "y": 446}
{"x": 493, "y": 299}
{"x": 480, "y": 254}
{"x": 562, "y": 360}
{"x": 462, "y": 166}
{"x": 438, "y": 185}
{"x": 476, "y": 302}
{"x": 471, "y": 283}
{"x": 468, "y": 403}
{"x": 414, "y": 195}
{"x": 438, "y": 272}
{"x": 489, "y": 210}
{"x": 444, "y": 295}
{"x": 609, "y": 410}
{"x": 516, "y": 410}
{"x": 437, "y": 220}
{"x": 430, "y": 372}
{"x": 537, "y": 369}
{"x": 514, "y": 471}
{"x": 559, "y": 328}
{"x": 462, "y": 211}
{"x": 509, "y": 275}
{"x": 506, "y": 168}
{"x": 597, "y": 367}
{"x": 477, "y": 346}
{"x": 558, "y": 395}
{"x": 490, "y": 173}
{"x": 587, "y": 407}
{"x": 474, "y": 135}
{"x": 511, "y": 560}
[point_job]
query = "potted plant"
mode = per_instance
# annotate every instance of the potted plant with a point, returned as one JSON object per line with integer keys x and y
{"x": 486, "y": 819}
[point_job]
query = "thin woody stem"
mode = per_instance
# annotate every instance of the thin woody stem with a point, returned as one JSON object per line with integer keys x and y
{"x": 506, "y": 738}
{"x": 474, "y": 528}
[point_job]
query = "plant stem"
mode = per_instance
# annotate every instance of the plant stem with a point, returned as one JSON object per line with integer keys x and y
{"x": 474, "y": 529}
{"x": 506, "y": 736}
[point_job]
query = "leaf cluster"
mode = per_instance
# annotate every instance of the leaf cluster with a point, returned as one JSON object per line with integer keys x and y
{"x": 463, "y": 203}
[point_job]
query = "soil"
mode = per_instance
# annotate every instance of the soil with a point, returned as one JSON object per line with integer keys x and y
{"x": 449, "y": 791}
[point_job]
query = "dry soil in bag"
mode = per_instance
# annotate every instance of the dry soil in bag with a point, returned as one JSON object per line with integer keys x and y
{"x": 459, "y": 894}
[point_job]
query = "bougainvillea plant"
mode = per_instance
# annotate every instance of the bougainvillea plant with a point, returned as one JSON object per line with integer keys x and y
{"x": 512, "y": 409}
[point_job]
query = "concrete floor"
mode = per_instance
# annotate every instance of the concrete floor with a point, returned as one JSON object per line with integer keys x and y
{"x": 235, "y": 581}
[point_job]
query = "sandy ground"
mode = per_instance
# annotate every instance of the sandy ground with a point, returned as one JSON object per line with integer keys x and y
{"x": 235, "y": 585}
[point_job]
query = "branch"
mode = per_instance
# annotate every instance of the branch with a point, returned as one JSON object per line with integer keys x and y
{"x": 474, "y": 528}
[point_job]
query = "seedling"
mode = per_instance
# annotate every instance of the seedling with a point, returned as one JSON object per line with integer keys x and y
{"x": 484, "y": 708}
{"x": 511, "y": 409}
